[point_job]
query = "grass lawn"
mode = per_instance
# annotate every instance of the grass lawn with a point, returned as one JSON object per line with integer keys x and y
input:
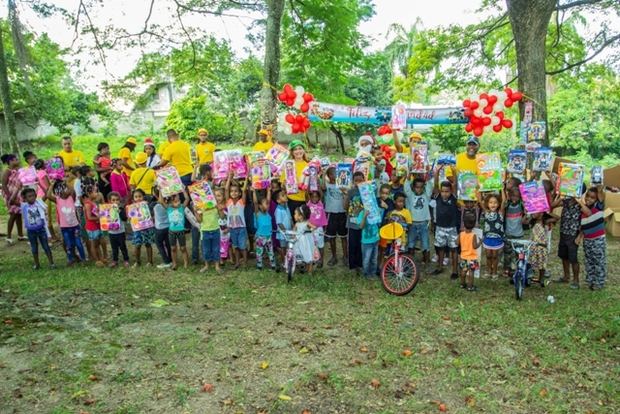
{"x": 147, "y": 341}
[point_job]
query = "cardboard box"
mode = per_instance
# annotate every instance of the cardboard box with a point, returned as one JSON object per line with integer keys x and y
{"x": 612, "y": 213}
{"x": 611, "y": 176}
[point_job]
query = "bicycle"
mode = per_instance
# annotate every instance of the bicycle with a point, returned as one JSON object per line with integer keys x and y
{"x": 399, "y": 274}
{"x": 290, "y": 258}
{"x": 522, "y": 276}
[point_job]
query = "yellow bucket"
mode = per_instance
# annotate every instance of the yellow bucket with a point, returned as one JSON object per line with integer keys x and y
{"x": 391, "y": 231}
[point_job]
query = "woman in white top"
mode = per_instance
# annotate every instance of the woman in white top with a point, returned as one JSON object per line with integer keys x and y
{"x": 152, "y": 158}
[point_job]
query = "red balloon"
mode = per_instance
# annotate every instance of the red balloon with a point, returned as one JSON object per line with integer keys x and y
{"x": 492, "y": 99}
{"x": 497, "y": 128}
{"x": 487, "y": 109}
{"x": 466, "y": 103}
{"x": 484, "y": 95}
{"x": 308, "y": 97}
{"x": 508, "y": 103}
{"x": 468, "y": 113}
{"x": 499, "y": 114}
{"x": 477, "y": 131}
{"x": 299, "y": 118}
{"x": 486, "y": 121}
{"x": 288, "y": 87}
{"x": 475, "y": 121}
{"x": 290, "y": 102}
{"x": 468, "y": 128}
{"x": 508, "y": 92}
{"x": 296, "y": 128}
{"x": 507, "y": 123}
{"x": 306, "y": 123}
{"x": 290, "y": 118}
{"x": 304, "y": 107}
{"x": 474, "y": 105}
{"x": 282, "y": 96}
{"x": 517, "y": 96}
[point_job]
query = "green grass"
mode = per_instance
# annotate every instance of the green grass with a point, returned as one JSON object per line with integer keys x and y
{"x": 325, "y": 338}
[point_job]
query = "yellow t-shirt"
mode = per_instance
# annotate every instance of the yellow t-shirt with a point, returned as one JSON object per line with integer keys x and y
{"x": 463, "y": 163}
{"x": 299, "y": 169}
{"x": 144, "y": 179}
{"x": 125, "y": 153}
{"x": 178, "y": 154}
{"x": 162, "y": 148}
{"x": 205, "y": 151}
{"x": 262, "y": 146}
{"x": 72, "y": 159}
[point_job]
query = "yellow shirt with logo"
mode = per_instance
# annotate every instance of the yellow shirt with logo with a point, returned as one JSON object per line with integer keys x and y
{"x": 72, "y": 159}
{"x": 178, "y": 154}
{"x": 126, "y": 153}
{"x": 205, "y": 151}
{"x": 263, "y": 146}
{"x": 464, "y": 163}
{"x": 144, "y": 179}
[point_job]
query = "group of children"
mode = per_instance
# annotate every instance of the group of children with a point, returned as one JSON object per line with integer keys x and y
{"x": 248, "y": 221}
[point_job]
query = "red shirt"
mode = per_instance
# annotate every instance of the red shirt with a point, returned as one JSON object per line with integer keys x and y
{"x": 91, "y": 225}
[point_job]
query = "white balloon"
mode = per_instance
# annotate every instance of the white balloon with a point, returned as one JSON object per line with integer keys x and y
{"x": 501, "y": 97}
{"x": 288, "y": 129}
{"x": 299, "y": 100}
{"x": 478, "y": 112}
{"x": 299, "y": 90}
{"x": 483, "y": 103}
{"x": 495, "y": 120}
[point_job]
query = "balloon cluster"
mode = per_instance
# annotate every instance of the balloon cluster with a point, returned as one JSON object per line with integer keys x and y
{"x": 485, "y": 111}
{"x": 298, "y": 98}
{"x": 384, "y": 130}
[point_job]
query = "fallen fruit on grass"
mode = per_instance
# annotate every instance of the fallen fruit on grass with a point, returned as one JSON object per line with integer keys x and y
{"x": 264, "y": 365}
{"x": 93, "y": 377}
{"x": 355, "y": 361}
{"x": 470, "y": 401}
{"x": 363, "y": 349}
{"x": 375, "y": 383}
{"x": 89, "y": 401}
{"x": 322, "y": 376}
{"x": 206, "y": 387}
{"x": 407, "y": 352}
{"x": 443, "y": 408}
{"x": 284, "y": 397}
{"x": 543, "y": 392}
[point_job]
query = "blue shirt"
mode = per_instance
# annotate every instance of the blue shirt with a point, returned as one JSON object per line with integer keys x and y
{"x": 370, "y": 232}
{"x": 176, "y": 218}
{"x": 283, "y": 217}
{"x": 262, "y": 222}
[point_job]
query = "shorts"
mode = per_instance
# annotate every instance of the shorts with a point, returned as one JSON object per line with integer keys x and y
{"x": 143, "y": 237}
{"x": 418, "y": 231}
{"x": 239, "y": 238}
{"x": 94, "y": 234}
{"x": 319, "y": 237}
{"x": 176, "y": 237}
{"x": 567, "y": 248}
{"x": 446, "y": 237}
{"x": 336, "y": 225}
{"x": 469, "y": 264}
{"x": 493, "y": 243}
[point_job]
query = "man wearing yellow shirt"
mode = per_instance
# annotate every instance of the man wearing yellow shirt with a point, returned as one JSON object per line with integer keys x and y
{"x": 178, "y": 154}
{"x": 466, "y": 161}
{"x": 125, "y": 156}
{"x": 204, "y": 149}
{"x": 70, "y": 157}
{"x": 142, "y": 177}
{"x": 265, "y": 142}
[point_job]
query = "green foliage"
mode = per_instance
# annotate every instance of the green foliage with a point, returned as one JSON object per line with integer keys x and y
{"x": 48, "y": 92}
{"x": 369, "y": 83}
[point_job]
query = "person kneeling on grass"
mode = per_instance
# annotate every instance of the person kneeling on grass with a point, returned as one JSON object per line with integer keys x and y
{"x": 34, "y": 214}
{"x": 469, "y": 242}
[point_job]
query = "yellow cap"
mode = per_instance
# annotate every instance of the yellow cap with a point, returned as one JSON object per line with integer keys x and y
{"x": 131, "y": 140}
{"x": 415, "y": 136}
{"x": 203, "y": 131}
{"x": 141, "y": 157}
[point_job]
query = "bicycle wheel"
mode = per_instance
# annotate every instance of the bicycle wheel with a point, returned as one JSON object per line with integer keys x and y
{"x": 519, "y": 284}
{"x": 290, "y": 267}
{"x": 399, "y": 282}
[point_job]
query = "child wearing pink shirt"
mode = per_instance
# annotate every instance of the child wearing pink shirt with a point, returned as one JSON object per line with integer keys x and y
{"x": 318, "y": 220}
{"x": 119, "y": 181}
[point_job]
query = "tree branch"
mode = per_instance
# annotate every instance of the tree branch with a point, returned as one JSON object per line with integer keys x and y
{"x": 577, "y": 3}
{"x": 604, "y": 45}
{"x": 189, "y": 37}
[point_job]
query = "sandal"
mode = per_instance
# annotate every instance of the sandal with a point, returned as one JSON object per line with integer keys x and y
{"x": 10, "y": 242}
{"x": 22, "y": 238}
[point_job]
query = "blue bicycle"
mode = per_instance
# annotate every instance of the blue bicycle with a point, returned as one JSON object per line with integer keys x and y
{"x": 523, "y": 274}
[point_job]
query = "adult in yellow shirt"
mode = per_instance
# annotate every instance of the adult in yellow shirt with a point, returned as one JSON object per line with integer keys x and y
{"x": 466, "y": 161}
{"x": 178, "y": 154}
{"x": 265, "y": 142}
{"x": 70, "y": 157}
{"x": 125, "y": 156}
{"x": 142, "y": 177}
{"x": 204, "y": 148}
{"x": 298, "y": 154}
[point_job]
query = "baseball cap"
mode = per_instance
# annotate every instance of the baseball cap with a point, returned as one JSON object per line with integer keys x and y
{"x": 473, "y": 140}
{"x": 296, "y": 143}
{"x": 203, "y": 131}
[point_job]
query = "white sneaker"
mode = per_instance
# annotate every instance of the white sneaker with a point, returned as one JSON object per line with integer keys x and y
{"x": 446, "y": 261}
{"x": 434, "y": 258}
{"x": 164, "y": 266}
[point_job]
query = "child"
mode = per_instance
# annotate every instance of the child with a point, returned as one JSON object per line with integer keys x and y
{"x": 570, "y": 223}
{"x": 91, "y": 214}
{"x": 370, "y": 242}
{"x": 336, "y": 215}
{"x": 64, "y": 197}
{"x": 353, "y": 205}
{"x": 275, "y": 190}
{"x": 117, "y": 234}
{"x": 145, "y": 237}
{"x": 175, "y": 209}
{"x": 387, "y": 205}
{"x": 43, "y": 185}
{"x": 305, "y": 246}
{"x": 235, "y": 204}
{"x": 401, "y": 215}
{"x": 210, "y": 235}
{"x": 118, "y": 180}
{"x": 103, "y": 166}
{"x": 34, "y": 214}
{"x": 318, "y": 219}
{"x": 514, "y": 214}
{"x": 142, "y": 177}
{"x": 493, "y": 231}
{"x": 223, "y": 222}
{"x": 538, "y": 252}
{"x": 162, "y": 225}
{"x": 284, "y": 221}
{"x": 262, "y": 223}
{"x": 418, "y": 195}
{"x": 593, "y": 231}
{"x": 446, "y": 224}
{"x": 469, "y": 243}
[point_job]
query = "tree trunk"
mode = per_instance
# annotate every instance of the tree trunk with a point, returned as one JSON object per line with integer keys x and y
{"x": 271, "y": 77}
{"x": 5, "y": 96}
{"x": 339, "y": 137}
{"x": 529, "y": 20}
